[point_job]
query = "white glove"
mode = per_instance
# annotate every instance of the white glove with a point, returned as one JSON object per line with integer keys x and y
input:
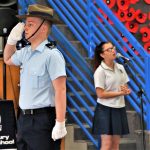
{"x": 59, "y": 130}
{"x": 16, "y": 34}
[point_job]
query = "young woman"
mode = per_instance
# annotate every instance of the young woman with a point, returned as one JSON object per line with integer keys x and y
{"x": 110, "y": 79}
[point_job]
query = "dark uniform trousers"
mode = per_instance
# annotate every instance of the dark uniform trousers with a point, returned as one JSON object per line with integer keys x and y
{"x": 34, "y": 129}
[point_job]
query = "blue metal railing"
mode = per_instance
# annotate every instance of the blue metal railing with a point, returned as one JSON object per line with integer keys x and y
{"x": 82, "y": 127}
{"x": 87, "y": 94}
{"x": 81, "y": 17}
{"x": 75, "y": 54}
{"x": 107, "y": 31}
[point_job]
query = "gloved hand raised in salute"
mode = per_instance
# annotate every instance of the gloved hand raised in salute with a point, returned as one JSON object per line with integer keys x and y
{"x": 16, "y": 34}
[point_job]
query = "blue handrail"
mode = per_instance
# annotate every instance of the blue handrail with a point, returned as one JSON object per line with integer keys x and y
{"x": 82, "y": 127}
{"x": 79, "y": 110}
{"x": 76, "y": 94}
{"x": 75, "y": 15}
{"x": 69, "y": 24}
{"x": 73, "y": 21}
{"x": 74, "y": 52}
{"x": 78, "y": 71}
{"x": 87, "y": 94}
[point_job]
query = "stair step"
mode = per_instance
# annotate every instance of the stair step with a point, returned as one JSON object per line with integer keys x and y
{"x": 66, "y": 31}
{"x": 70, "y": 144}
{"x": 80, "y": 48}
{"x": 71, "y": 81}
{"x": 90, "y": 145}
{"x": 71, "y": 120}
{"x": 134, "y": 123}
{"x": 125, "y": 144}
{"x": 77, "y": 87}
{"x": 139, "y": 140}
{"x": 83, "y": 96}
{"x": 90, "y": 61}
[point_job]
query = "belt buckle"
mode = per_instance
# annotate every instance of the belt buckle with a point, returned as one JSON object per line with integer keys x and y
{"x": 23, "y": 111}
{"x": 31, "y": 111}
{"x": 28, "y": 112}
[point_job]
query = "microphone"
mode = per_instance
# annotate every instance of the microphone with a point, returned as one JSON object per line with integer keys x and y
{"x": 123, "y": 57}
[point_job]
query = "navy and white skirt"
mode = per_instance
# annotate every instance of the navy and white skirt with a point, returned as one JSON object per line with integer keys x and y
{"x": 110, "y": 121}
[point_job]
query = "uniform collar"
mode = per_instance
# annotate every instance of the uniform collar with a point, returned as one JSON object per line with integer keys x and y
{"x": 40, "y": 47}
{"x": 104, "y": 66}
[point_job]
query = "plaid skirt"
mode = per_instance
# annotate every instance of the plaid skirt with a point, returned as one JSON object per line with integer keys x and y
{"x": 110, "y": 121}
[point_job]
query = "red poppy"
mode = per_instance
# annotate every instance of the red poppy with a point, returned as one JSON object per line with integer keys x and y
{"x": 145, "y": 31}
{"x": 130, "y": 15}
{"x": 132, "y": 26}
{"x": 110, "y": 3}
{"x": 104, "y": 15}
{"x": 121, "y": 15}
{"x": 147, "y": 47}
{"x": 123, "y": 4}
{"x": 147, "y": 1}
{"x": 140, "y": 16}
{"x": 133, "y": 1}
{"x": 149, "y": 19}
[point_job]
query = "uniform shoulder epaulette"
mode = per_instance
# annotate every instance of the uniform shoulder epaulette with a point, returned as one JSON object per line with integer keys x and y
{"x": 51, "y": 44}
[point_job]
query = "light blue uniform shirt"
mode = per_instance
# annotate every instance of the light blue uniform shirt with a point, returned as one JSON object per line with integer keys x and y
{"x": 38, "y": 69}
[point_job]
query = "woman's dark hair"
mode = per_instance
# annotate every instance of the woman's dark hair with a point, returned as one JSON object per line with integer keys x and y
{"x": 97, "y": 57}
